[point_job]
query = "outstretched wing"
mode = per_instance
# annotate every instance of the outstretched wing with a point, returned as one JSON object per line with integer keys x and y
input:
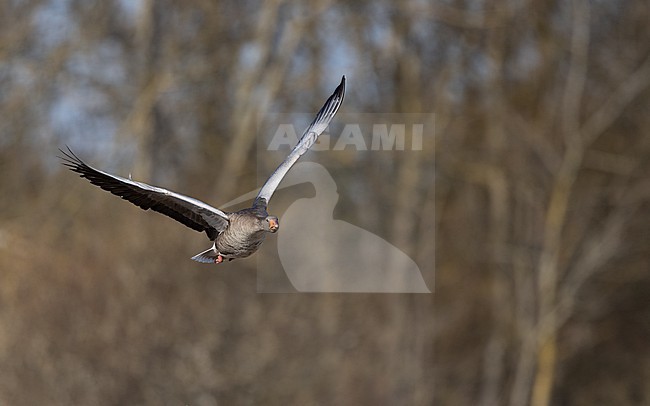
{"x": 308, "y": 139}
{"x": 191, "y": 212}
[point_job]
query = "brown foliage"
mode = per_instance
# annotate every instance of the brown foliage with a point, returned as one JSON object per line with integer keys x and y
{"x": 539, "y": 204}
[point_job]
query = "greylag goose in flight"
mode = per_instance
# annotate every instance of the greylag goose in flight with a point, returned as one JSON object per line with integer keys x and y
{"x": 235, "y": 235}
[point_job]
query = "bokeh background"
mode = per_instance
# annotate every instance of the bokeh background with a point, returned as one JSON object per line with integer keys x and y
{"x": 540, "y": 261}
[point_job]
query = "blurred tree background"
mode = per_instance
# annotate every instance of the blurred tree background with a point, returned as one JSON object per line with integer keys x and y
{"x": 541, "y": 202}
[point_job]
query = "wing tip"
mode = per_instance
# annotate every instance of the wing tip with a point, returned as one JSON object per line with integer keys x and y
{"x": 340, "y": 90}
{"x": 332, "y": 104}
{"x": 69, "y": 158}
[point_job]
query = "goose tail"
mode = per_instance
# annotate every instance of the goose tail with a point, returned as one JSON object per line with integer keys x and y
{"x": 208, "y": 256}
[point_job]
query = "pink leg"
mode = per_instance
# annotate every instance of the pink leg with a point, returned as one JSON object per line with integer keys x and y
{"x": 218, "y": 259}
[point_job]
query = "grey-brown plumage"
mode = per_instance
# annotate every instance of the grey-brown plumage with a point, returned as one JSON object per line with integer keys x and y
{"x": 235, "y": 235}
{"x": 246, "y": 232}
